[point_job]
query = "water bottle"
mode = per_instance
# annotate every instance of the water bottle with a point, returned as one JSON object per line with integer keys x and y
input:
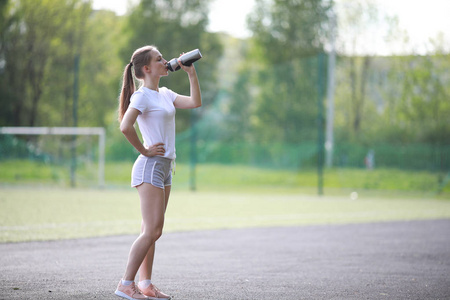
{"x": 186, "y": 59}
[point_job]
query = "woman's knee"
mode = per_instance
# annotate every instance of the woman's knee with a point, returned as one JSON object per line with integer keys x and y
{"x": 158, "y": 233}
{"x": 152, "y": 235}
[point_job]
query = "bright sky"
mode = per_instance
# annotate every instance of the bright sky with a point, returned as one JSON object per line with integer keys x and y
{"x": 421, "y": 19}
{"x": 225, "y": 15}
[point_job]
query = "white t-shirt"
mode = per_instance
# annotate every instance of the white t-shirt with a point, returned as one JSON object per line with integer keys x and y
{"x": 157, "y": 117}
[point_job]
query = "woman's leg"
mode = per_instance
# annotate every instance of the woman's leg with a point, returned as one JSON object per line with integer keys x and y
{"x": 153, "y": 204}
{"x": 145, "y": 271}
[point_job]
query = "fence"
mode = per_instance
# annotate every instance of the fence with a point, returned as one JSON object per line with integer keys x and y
{"x": 274, "y": 117}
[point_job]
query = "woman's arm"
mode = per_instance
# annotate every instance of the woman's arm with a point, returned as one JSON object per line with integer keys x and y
{"x": 127, "y": 128}
{"x": 195, "y": 99}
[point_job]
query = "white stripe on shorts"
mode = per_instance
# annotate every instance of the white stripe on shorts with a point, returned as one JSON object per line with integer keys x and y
{"x": 153, "y": 169}
{"x": 143, "y": 171}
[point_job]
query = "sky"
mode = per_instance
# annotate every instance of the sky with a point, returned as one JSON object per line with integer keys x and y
{"x": 421, "y": 19}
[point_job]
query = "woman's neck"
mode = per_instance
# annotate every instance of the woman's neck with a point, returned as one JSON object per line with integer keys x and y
{"x": 152, "y": 84}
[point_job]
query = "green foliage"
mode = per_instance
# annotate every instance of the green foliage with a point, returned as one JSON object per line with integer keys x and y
{"x": 424, "y": 105}
{"x": 286, "y": 30}
{"x": 278, "y": 88}
{"x": 286, "y": 104}
{"x": 99, "y": 69}
{"x": 40, "y": 44}
{"x": 405, "y": 100}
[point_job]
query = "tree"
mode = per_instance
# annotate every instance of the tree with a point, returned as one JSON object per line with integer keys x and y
{"x": 66, "y": 62}
{"x": 287, "y": 37}
{"x": 39, "y": 48}
{"x": 99, "y": 68}
{"x": 421, "y": 106}
{"x": 28, "y": 40}
{"x": 237, "y": 83}
{"x": 356, "y": 18}
{"x": 287, "y": 30}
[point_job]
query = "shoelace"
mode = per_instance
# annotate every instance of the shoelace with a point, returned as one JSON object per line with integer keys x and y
{"x": 157, "y": 291}
{"x": 136, "y": 289}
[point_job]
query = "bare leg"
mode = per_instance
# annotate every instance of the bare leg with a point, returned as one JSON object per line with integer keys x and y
{"x": 145, "y": 271}
{"x": 153, "y": 206}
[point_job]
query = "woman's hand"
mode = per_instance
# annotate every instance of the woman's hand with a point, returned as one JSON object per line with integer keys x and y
{"x": 194, "y": 100}
{"x": 155, "y": 150}
{"x": 188, "y": 69}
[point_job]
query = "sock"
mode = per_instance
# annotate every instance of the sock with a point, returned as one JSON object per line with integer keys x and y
{"x": 127, "y": 282}
{"x": 145, "y": 283}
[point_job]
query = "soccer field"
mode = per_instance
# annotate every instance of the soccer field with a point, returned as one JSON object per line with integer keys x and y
{"x": 47, "y": 214}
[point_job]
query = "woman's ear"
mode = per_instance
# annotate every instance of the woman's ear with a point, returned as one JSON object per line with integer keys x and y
{"x": 147, "y": 69}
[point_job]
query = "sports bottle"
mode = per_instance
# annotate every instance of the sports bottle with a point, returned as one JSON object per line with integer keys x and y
{"x": 186, "y": 59}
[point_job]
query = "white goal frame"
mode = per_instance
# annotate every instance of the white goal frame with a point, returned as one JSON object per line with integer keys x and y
{"x": 100, "y": 131}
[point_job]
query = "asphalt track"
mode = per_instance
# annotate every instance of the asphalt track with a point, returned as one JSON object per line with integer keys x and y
{"x": 395, "y": 260}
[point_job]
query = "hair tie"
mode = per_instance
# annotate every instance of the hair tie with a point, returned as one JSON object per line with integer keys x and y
{"x": 131, "y": 63}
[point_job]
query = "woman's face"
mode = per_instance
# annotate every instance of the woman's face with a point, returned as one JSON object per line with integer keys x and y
{"x": 158, "y": 64}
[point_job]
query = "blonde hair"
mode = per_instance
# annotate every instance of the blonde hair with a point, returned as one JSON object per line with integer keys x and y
{"x": 140, "y": 58}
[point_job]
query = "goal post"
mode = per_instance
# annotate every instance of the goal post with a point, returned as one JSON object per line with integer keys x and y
{"x": 100, "y": 131}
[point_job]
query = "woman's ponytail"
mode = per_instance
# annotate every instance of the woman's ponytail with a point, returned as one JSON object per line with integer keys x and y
{"x": 127, "y": 90}
{"x": 140, "y": 58}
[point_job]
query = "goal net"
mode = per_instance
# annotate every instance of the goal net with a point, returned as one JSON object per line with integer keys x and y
{"x": 53, "y": 154}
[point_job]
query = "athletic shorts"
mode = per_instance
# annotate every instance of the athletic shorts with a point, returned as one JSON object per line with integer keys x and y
{"x": 156, "y": 170}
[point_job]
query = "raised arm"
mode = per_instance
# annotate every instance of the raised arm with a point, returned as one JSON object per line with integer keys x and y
{"x": 195, "y": 99}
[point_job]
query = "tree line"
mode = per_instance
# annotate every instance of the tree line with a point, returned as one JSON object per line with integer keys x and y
{"x": 273, "y": 93}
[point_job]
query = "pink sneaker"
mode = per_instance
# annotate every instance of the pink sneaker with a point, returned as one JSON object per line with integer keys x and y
{"x": 153, "y": 293}
{"x": 130, "y": 292}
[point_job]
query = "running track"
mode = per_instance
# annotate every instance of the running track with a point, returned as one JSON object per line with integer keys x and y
{"x": 395, "y": 260}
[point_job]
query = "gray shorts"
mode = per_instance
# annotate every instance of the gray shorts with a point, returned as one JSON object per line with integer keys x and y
{"x": 155, "y": 170}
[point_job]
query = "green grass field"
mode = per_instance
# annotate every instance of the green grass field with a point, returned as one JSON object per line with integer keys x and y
{"x": 45, "y": 214}
{"x": 36, "y": 204}
{"x": 236, "y": 177}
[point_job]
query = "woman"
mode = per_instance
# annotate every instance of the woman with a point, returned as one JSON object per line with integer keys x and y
{"x": 154, "y": 109}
